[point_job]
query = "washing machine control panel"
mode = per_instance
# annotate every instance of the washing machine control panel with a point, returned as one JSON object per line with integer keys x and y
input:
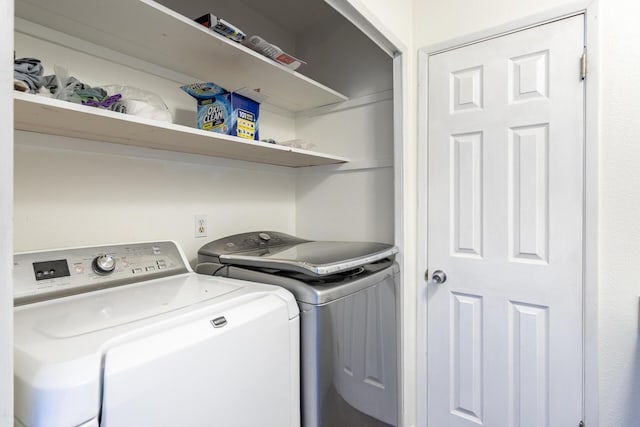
{"x": 53, "y": 274}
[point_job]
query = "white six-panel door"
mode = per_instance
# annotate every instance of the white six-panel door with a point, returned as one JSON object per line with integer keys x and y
{"x": 505, "y": 223}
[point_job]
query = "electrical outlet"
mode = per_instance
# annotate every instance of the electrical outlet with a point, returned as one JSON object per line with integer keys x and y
{"x": 200, "y": 226}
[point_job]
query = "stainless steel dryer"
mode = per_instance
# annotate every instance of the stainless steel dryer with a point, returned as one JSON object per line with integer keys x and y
{"x": 347, "y": 295}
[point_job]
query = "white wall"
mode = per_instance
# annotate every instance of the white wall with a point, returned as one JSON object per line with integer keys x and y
{"x": 353, "y": 205}
{"x": 619, "y": 229}
{"x": 362, "y": 133}
{"x": 74, "y": 192}
{"x": 436, "y": 21}
{"x": 339, "y": 204}
{"x": 396, "y": 17}
{"x": 6, "y": 213}
{"x": 619, "y": 204}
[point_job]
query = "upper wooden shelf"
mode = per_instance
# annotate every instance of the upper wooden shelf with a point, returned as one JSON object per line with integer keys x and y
{"x": 151, "y": 32}
{"x": 51, "y": 116}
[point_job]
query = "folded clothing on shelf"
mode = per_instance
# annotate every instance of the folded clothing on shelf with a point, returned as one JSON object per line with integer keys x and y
{"x": 139, "y": 102}
{"x": 29, "y": 71}
{"x": 120, "y": 98}
{"x": 68, "y": 88}
{"x": 20, "y": 85}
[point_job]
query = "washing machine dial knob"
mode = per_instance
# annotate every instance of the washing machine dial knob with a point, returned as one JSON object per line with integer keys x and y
{"x": 104, "y": 264}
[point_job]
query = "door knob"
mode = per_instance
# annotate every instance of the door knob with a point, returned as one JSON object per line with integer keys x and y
{"x": 439, "y": 276}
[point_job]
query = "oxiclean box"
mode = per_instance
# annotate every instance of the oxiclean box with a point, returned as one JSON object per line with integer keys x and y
{"x": 233, "y": 113}
{"x": 214, "y": 106}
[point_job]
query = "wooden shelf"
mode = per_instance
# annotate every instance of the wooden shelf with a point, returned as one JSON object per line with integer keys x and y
{"x": 51, "y": 116}
{"x": 156, "y": 34}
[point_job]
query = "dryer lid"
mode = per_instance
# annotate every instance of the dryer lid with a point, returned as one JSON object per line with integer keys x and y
{"x": 288, "y": 253}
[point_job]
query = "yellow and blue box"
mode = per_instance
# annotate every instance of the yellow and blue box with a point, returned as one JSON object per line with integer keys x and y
{"x": 231, "y": 113}
{"x": 214, "y": 106}
{"x": 244, "y": 117}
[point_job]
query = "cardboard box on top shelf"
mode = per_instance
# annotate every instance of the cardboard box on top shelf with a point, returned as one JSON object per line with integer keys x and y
{"x": 233, "y": 113}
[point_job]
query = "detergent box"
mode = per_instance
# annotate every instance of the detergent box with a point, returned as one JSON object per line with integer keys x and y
{"x": 232, "y": 113}
{"x": 245, "y": 111}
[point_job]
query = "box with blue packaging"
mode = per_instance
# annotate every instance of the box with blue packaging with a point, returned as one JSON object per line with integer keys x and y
{"x": 232, "y": 113}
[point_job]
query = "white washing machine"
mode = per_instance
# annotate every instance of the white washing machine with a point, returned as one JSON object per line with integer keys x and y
{"x": 128, "y": 335}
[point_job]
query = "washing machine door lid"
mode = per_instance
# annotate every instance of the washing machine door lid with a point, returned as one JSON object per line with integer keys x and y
{"x": 314, "y": 258}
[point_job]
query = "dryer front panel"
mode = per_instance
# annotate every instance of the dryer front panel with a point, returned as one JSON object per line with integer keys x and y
{"x": 229, "y": 367}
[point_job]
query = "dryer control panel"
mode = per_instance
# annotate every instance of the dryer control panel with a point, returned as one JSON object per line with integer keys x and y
{"x": 40, "y": 276}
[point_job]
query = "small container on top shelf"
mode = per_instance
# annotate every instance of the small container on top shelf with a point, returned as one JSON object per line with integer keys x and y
{"x": 221, "y": 26}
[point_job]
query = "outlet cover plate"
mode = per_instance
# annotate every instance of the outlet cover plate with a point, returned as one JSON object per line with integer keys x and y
{"x": 200, "y": 226}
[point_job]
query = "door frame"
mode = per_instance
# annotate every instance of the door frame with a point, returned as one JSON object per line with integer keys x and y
{"x": 404, "y": 216}
{"x": 590, "y": 204}
{"x": 6, "y": 213}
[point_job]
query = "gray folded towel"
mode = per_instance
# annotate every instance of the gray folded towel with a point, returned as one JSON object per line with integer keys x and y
{"x": 30, "y": 71}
